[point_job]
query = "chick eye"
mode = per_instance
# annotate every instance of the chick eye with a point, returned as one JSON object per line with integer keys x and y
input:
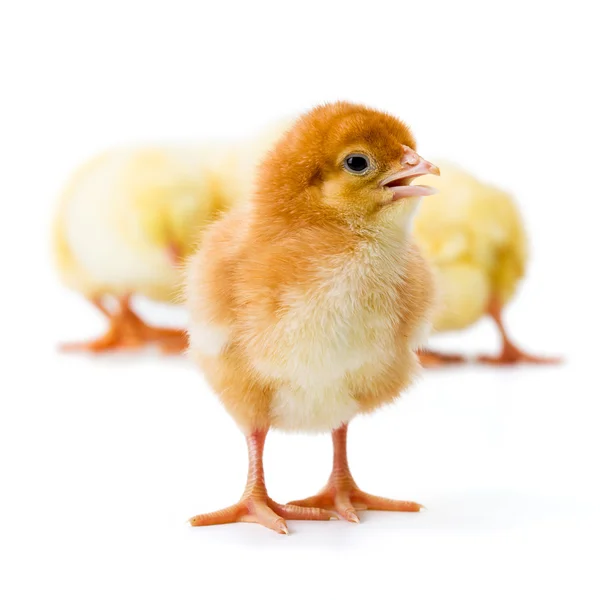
{"x": 357, "y": 163}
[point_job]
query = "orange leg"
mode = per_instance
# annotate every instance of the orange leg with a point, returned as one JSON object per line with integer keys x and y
{"x": 341, "y": 492}
{"x": 255, "y": 506}
{"x": 431, "y": 358}
{"x": 510, "y": 353}
{"x": 127, "y": 330}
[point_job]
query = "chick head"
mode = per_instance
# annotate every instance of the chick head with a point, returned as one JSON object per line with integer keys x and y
{"x": 348, "y": 162}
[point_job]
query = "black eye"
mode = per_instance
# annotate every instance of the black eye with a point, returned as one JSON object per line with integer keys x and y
{"x": 357, "y": 163}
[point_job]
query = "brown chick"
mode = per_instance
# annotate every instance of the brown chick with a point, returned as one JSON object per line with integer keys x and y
{"x": 307, "y": 304}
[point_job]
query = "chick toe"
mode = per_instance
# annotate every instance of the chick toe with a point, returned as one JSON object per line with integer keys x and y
{"x": 127, "y": 331}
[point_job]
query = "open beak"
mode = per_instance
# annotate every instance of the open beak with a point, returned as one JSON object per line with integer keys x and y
{"x": 400, "y": 182}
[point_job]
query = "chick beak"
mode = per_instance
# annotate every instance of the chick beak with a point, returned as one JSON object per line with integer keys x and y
{"x": 413, "y": 166}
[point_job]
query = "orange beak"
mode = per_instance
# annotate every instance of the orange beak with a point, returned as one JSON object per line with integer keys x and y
{"x": 413, "y": 166}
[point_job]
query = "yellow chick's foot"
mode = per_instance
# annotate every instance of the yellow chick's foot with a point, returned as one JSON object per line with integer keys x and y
{"x": 128, "y": 331}
{"x": 255, "y": 506}
{"x": 341, "y": 492}
{"x": 431, "y": 358}
{"x": 510, "y": 354}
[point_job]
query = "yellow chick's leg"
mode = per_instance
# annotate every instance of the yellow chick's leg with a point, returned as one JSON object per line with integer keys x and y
{"x": 341, "y": 492}
{"x": 431, "y": 358}
{"x": 255, "y": 506}
{"x": 128, "y": 331}
{"x": 510, "y": 353}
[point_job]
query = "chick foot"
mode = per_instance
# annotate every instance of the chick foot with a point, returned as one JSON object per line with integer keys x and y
{"x": 346, "y": 499}
{"x": 255, "y": 506}
{"x": 510, "y": 353}
{"x": 341, "y": 492}
{"x": 431, "y": 358}
{"x": 128, "y": 331}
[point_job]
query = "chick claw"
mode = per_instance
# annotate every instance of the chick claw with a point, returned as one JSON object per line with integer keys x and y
{"x": 513, "y": 356}
{"x": 346, "y": 498}
{"x": 263, "y": 511}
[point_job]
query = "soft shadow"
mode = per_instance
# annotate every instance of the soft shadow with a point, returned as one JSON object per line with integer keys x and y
{"x": 471, "y": 513}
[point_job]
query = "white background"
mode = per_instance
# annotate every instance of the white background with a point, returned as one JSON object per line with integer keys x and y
{"x": 103, "y": 459}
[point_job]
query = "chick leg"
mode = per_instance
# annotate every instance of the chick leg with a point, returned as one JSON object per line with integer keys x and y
{"x": 126, "y": 330}
{"x": 255, "y": 506}
{"x": 510, "y": 353}
{"x": 170, "y": 341}
{"x": 431, "y": 358}
{"x": 341, "y": 492}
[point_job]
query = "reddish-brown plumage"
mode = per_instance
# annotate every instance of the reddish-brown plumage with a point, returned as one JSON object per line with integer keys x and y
{"x": 307, "y": 304}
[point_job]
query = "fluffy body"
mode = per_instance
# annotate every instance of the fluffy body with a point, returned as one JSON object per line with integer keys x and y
{"x": 121, "y": 211}
{"x": 307, "y": 303}
{"x": 123, "y": 215}
{"x": 473, "y": 235}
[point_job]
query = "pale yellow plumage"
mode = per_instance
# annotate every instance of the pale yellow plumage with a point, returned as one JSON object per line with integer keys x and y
{"x": 473, "y": 235}
{"x": 123, "y": 213}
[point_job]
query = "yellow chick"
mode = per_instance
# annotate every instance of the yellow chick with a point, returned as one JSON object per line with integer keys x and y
{"x": 129, "y": 217}
{"x": 473, "y": 235}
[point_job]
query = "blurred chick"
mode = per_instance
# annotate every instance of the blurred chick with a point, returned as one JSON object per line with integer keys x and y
{"x": 473, "y": 235}
{"x": 129, "y": 217}
{"x": 307, "y": 303}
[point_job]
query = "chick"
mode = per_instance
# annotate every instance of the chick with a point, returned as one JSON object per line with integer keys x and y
{"x": 307, "y": 303}
{"x": 129, "y": 217}
{"x": 123, "y": 222}
{"x": 473, "y": 235}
